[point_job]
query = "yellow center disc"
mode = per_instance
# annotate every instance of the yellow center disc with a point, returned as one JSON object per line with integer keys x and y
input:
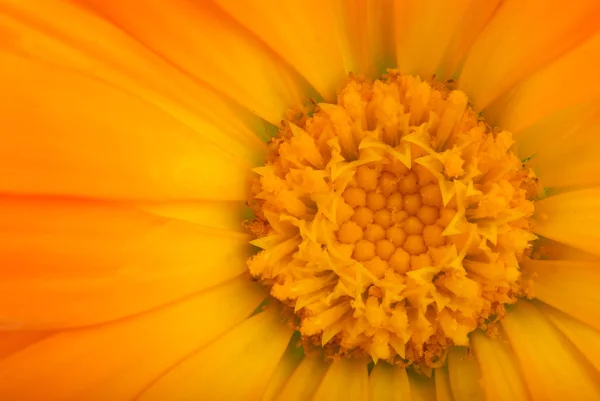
{"x": 392, "y": 223}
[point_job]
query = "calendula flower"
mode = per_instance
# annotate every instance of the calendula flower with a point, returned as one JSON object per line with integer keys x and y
{"x": 319, "y": 200}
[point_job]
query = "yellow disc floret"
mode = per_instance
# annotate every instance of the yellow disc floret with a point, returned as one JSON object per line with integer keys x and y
{"x": 396, "y": 220}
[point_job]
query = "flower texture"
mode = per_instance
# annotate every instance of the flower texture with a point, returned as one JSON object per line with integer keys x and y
{"x": 363, "y": 200}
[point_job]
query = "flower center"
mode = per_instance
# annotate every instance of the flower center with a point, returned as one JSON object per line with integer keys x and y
{"x": 392, "y": 224}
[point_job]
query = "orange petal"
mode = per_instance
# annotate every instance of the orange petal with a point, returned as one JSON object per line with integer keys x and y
{"x": 464, "y": 375}
{"x": 570, "y": 286}
{"x": 549, "y": 249}
{"x": 57, "y": 142}
{"x": 557, "y": 127}
{"x": 296, "y": 32}
{"x": 209, "y": 45}
{"x": 522, "y": 37}
{"x": 500, "y": 373}
{"x": 72, "y": 263}
{"x": 443, "y": 390}
{"x": 64, "y": 34}
{"x": 14, "y": 341}
{"x": 424, "y": 31}
{"x": 305, "y": 380}
{"x": 119, "y": 360}
{"x": 388, "y": 383}
{"x": 422, "y": 387}
{"x": 237, "y": 366}
{"x": 366, "y": 35}
{"x": 572, "y": 218}
{"x": 569, "y": 137}
{"x": 552, "y": 368}
{"x": 345, "y": 380}
{"x": 475, "y": 18}
{"x": 286, "y": 368}
{"x": 223, "y": 215}
{"x": 570, "y": 80}
{"x": 584, "y": 337}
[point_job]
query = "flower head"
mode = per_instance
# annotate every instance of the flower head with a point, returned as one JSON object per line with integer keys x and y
{"x": 365, "y": 200}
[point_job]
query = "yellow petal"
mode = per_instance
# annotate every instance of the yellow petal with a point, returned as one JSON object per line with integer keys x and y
{"x": 572, "y": 218}
{"x": 464, "y": 375}
{"x": 569, "y": 80}
{"x": 584, "y": 337}
{"x": 443, "y": 390}
{"x": 70, "y": 263}
{"x": 297, "y": 33}
{"x": 237, "y": 366}
{"x": 552, "y": 368}
{"x": 286, "y": 368}
{"x": 345, "y": 380}
{"x": 388, "y": 383}
{"x": 423, "y": 33}
{"x": 522, "y": 37}
{"x": 118, "y": 360}
{"x": 305, "y": 380}
{"x": 570, "y": 286}
{"x": 500, "y": 373}
{"x": 56, "y": 142}
{"x": 208, "y": 44}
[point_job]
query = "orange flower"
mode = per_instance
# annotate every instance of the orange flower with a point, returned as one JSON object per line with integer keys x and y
{"x": 130, "y": 131}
